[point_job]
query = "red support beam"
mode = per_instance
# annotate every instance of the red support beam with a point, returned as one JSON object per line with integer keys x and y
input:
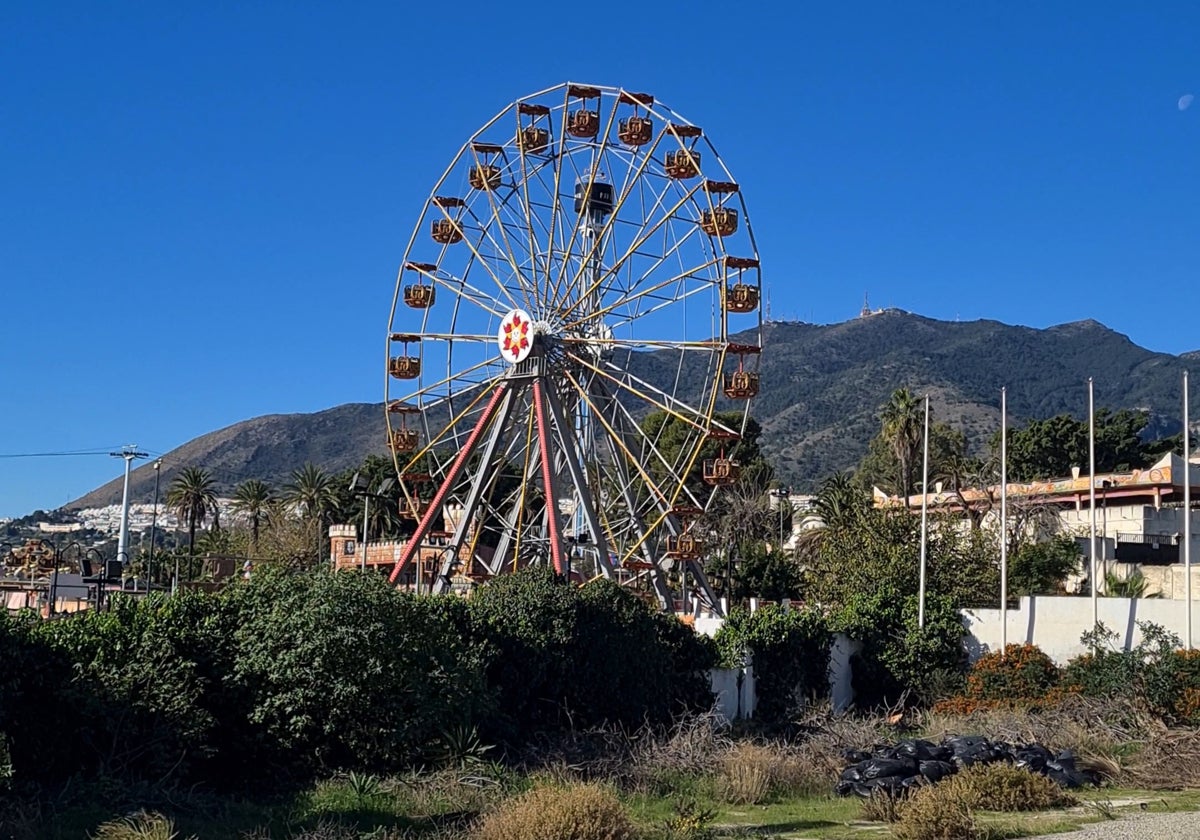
{"x": 543, "y": 431}
{"x": 435, "y": 507}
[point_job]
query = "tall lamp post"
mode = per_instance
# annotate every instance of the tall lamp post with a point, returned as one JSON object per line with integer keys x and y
{"x": 153, "y": 528}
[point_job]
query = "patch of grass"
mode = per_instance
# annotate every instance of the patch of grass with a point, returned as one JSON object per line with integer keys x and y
{"x": 935, "y": 813}
{"x": 583, "y": 812}
{"x": 1002, "y": 787}
{"x": 142, "y": 825}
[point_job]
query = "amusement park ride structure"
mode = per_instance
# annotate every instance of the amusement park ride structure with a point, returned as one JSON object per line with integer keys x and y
{"x": 581, "y": 265}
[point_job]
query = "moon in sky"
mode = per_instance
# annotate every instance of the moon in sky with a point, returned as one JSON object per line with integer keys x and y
{"x": 1185, "y": 101}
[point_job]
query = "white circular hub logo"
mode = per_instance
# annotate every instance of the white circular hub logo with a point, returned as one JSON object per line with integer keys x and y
{"x": 516, "y": 336}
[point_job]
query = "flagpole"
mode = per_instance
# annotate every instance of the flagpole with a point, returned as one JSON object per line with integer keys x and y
{"x": 924, "y": 522}
{"x": 1187, "y": 510}
{"x": 1003, "y": 521}
{"x": 1092, "y": 495}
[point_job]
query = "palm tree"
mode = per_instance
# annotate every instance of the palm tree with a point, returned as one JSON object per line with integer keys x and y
{"x": 902, "y": 419}
{"x": 251, "y": 498}
{"x": 192, "y": 496}
{"x": 313, "y": 494}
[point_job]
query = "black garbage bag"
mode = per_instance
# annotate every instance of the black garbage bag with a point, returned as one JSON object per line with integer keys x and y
{"x": 863, "y": 790}
{"x": 853, "y": 756}
{"x": 968, "y": 755}
{"x": 1033, "y": 757}
{"x": 844, "y": 788}
{"x": 935, "y": 771}
{"x": 889, "y": 785}
{"x": 879, "y": 768}
{"x": 917, "y": 748}
{"x": 852, "y": 774}
{"x": 1066, "y": 777}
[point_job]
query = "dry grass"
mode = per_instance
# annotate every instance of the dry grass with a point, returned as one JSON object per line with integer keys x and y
{"x": 751, "y": 773}
{"x": 142, "y": 825}
{"x": 583, "y": 812}
{"x": 881, "y": 807}
{"x": 1101, "y": 728}
{"x": 934, "y": 813}
{"x": 1002, "y": 787}
{"x": 1169, "y": 760}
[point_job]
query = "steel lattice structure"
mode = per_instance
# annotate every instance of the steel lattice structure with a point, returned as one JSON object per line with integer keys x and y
{"x": 561, "y": 329}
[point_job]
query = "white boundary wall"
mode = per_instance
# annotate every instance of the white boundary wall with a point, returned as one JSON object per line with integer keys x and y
{"x": 1055, "y": 623}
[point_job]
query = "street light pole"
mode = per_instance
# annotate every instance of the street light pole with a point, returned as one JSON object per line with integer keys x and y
{"x": 129, "y": 453}
{"x": 153, "y": 528}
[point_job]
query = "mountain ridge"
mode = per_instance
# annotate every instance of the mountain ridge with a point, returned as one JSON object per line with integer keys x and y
{"x": 822, "y": 386}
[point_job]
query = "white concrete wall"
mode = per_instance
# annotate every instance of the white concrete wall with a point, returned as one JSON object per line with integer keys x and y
{"x": 1055, "y": 623}
{"x": 735, "y": 698}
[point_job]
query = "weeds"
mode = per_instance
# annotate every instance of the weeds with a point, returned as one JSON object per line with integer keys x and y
{"x": 142, "y": 825}
{"x": 583, "y": 812}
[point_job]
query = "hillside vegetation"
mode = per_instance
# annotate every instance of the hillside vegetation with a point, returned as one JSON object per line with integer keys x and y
{"x": 822, "y": 387}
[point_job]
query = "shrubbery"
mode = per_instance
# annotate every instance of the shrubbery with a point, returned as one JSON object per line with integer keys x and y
{"x": 898, "y": 656}
{"x": 295, "y": 674}
{"x": 1020, "y": 672}
{"x": 1156, "y": 672}
{"x": 790, "y": 652}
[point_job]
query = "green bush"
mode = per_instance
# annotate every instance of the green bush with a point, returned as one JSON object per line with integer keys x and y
{"x": 343, "y": 671}
{"x": 1040, "y": 568}
{"x": 790, "y": 652}
{"x": 559, "y": 655}
{"x": 1155, "y": 672}
{"x": 898, "y": 657}
{"x": 1002, "y": 787}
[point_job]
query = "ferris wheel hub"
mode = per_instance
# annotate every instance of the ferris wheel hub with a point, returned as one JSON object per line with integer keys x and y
{"x": 515, "y": 336}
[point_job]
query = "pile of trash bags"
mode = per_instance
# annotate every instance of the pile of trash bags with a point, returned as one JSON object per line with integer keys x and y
{"x": 895, "y": 769}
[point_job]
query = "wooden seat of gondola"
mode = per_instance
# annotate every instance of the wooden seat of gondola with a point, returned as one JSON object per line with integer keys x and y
{"x": 637, "y": 565}
{"x": 719, "y": 221}
{"x": 635, "y": 131}
{"x": 486, "y": 148}
{"x": 645, "y": 100}
{"x": 407, "y": 338}
{"x": 419, "y": 296}
{"x": 448, "y": 201}
{"x": 682, "y": 164}
{"x": 583, "y": 91}
{"x": 484, "y": 176}
{"x": 721, "y": 471}
{"x": 743, "y": 349}
{"x": 725, "y": 187}
{"x": 405, "y": 367}
{"x": 741, "y": 262}
{"x": 741, "y": 297}
{"x": 533, "y": 139}
{"x": 583, "y": 123}
{"x": 684, "y": 547}
{"x": 403, "y": 440}
{"x": 686, "y": 511}
{"x": 723, "y": 434}
{"x": 445, "y": 232}
{"x": 741, "y": 385}
{"x": 400, "y": 407}
{"x": 686, "y": 130}
{"x": 416, "y": 478}
{"x": 531, "y": 109}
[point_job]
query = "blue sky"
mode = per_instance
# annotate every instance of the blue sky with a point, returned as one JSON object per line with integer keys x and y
{"x": 203, "y": 206}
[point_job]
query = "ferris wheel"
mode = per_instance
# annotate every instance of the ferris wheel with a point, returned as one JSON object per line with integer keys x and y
{"x": 573, "y": 347}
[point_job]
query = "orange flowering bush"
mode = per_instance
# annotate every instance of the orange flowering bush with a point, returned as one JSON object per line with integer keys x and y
{"x": 1023, "y": 672}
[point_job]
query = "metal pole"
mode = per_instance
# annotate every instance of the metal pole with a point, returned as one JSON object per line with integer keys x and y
{"x": 924, "y": 522}
{"x": 366, "y": 512}
{"x": 129, "y": 453}
{"x": 1092, "y": 496}
{"x": 1003, "y": 521}
{"x": 153, "y": 528}
{"x": 1187, "y": 511}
